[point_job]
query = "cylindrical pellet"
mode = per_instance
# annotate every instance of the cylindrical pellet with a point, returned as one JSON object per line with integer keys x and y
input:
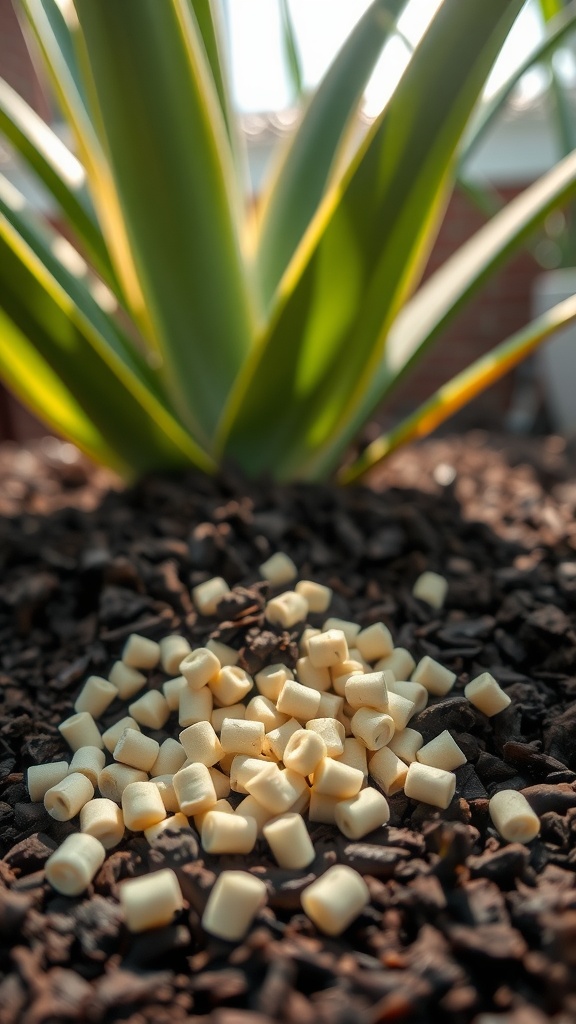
{"x": 112, "y": 735}
{"x": 388, "y": 771}
{"x": 270, "y": 680}
{"x": 374, "y": 728}
{"x": 220, "y": 781}
{"x": 328, "y": 648}
{"x": 276, "y": 740}
{"x": 201, "y": 743}
{"x": 317, "y": 678}
{"x": 194, "y": 788}
{"x": 354, "y": 755}
{"x": 335, "y": 899}
{"x": 362, "y": 813}
{"x": 199, "y": 668}
{"x": 349, "y": 669}
{"x": 150, "y": 901}
{"x": 89, "y": 761}
{"x": 277, "y": 790}
{"x": 406, "y": 744}
{"x": 332, "y": 778}
{"x": 430, "y": 785}
{"x": 442, "y": 752}
{"x": 304, "y": 751}
{"x": 64, "y": 800}
{"x": 374, "y": 642}
{"x": 128, "y": 681}
{"x": 323, "y": 808}
{"x": 297, "y": 701}
{"x": 432, "y": 588}
{"x": 411, "y": 691}
{"x": 279, "y": 569}
{"x": 260, "y": 709}
{"x": 142, "y": 806}
{"x": 151, "y": 710}
{"x": 513, "y": 817}
{"x": 231, "y": 685}
{"x": 95, "y": 696}
{"x": 350, "y": 629}
{"x": 42, "y": 777}
{"x": 165, "y": 786}
{"x": 195, "y": 706}
{"x": 219, "y": 714}
{"x": 102, "y": 819}
{"x": 368, "y": 691}
{"x": 331, "y": 731}
{"x": 485, "y": 694}
{"x": 316, "y": 595}
{"x": 287, "y": 609}
{"x": 437, "y": 679}
{"x": 175, "y": 823}
{"x": 289, "y": 841}
{"x": 173, "y": 650}
{"x": 226, "y": 655}
{"x": 172, "y": 690}
{"x": 71, "y": 867}
{"x": 400, "y": 663}
{"x": 228, "y": 833}
{"x": 330, "y": 706}
{"x": 221, "y": 805}
{"x": 171, "y": 757}
{"x": 305, "y": 637}
{"x": 240, "y": 736}
{"x": 250, "y": 808}
{"x": 244, "y": 768}
{"x": 206, "y": 596}
{"x": 140, "y": 652}
{"x": 81, "y": 731}
{"x": 233, "y": 904}
{"x": 113, "y": 780}
{"x": 136, "y": 749}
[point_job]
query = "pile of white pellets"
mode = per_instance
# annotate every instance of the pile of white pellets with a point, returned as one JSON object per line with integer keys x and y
{"x": 309, "y": 742}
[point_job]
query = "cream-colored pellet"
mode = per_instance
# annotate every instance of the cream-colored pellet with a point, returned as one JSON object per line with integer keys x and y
{"x": 362, "y": 813}
{"x": 414, "y": 692}
{"x": 221, "y": 805}
{"x": 242, "y": 737}
{"x": 297, "y": 701}
{"x": 328, "y": 648}
{"x": 71, "y": 867}
{"x": 233, "y": 711}
{"x": 270, "y": 680}
{"x": 226, "y": 655}
{"x": 351, "y": 668}
{"x": 400, "y": 709}
{"x": 373, "y": 728}
{"x": 81, "y": 731}
{"x": 112, "y": 735}
{"x": 231, "y": 685}
{"x": 140, "y": 652}
{"x": 350, "y": 629}
{"x": 432, "y": 588}
{"x": 221, "y": 782}
{"x": 172, "y": 690}
{"x": 95, "y": 696}
{"x": 142, "y": 806}
{"x": 277, "y": 790}
{"x": 42, "y": 777}
{"x": 102, "y": 819}
{"x": 304, "y": 751}
{"x": 250, "y": 808}
{"x": 375, "y": 642}
{"x": 354, "y": 754}
{"x": 175, "y": 823}
{"x": 228, "y": 833}
{"x": 261, "y": 709}
{"x": 136, "y": 749}
{"x": 368, "y": 691}
{"x": 513, "y": 817}
{"x": 289, "y": 841}
{"x": 171, "y": 757}
{"x": 388, "y": 771}
{"x": 486, "y": 695}
{"x": 206, "y": 596}
{"x": 194, "y": 789}
{"x": 173, "y": 650}
{"x": 331, "y": 731}
{"x": 330, "y": 706}
{"x": 405, "y": 744}
{"x": 276, "y": 740}
{"x": 279, "y": 569}
{"x": 113, "y": 780}
{"x": 430, "y": 785}
{"x": 335, "y": 899}
{"x": 242, "y": 769}
{"x": 200, "y": 667}
{"x": 316, "y": 678}
{"x": 442, "y": 752}
{"x": 195, "y": 706}
{"x": 89, "y": 761}
{"x": 301, "y": 803}
{"x": 354, "y": 655}
{"x": 400, "y": 663}
{"x": 323, "y": 808}
{"x": 305, "y": 639}
{"x": 128, "y": 681}
{"x": 165, "y": 785}
{"x": 201, "y": 743}
{"x": 317, "y": 596}
{"x": 65, "y": 800}
{"x": 150, "y": 901}
{"x": 333, "y": 778}
{"x": 286, "y": 610}
{"x": 437, "y": 679}
{"x": 151, "y": 710}
{"x": 233, "y": 904}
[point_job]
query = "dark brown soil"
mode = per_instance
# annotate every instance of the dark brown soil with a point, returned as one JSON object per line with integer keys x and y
{"x": 462, "y": 927}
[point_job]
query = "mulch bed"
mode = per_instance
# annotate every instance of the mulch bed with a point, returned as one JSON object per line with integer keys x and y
{"x": 462, "y": 926}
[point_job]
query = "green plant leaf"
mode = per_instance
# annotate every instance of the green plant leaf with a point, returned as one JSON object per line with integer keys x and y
{"x": 58, "y": 170}
{"x": 291, "y": 52}
{"x": 51, "y": 337}
{"x": 296, "y": 188}
{"x": 308, "y": 374}
{"x": 465, "y": 386}
{"x": 172, "y": 177}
